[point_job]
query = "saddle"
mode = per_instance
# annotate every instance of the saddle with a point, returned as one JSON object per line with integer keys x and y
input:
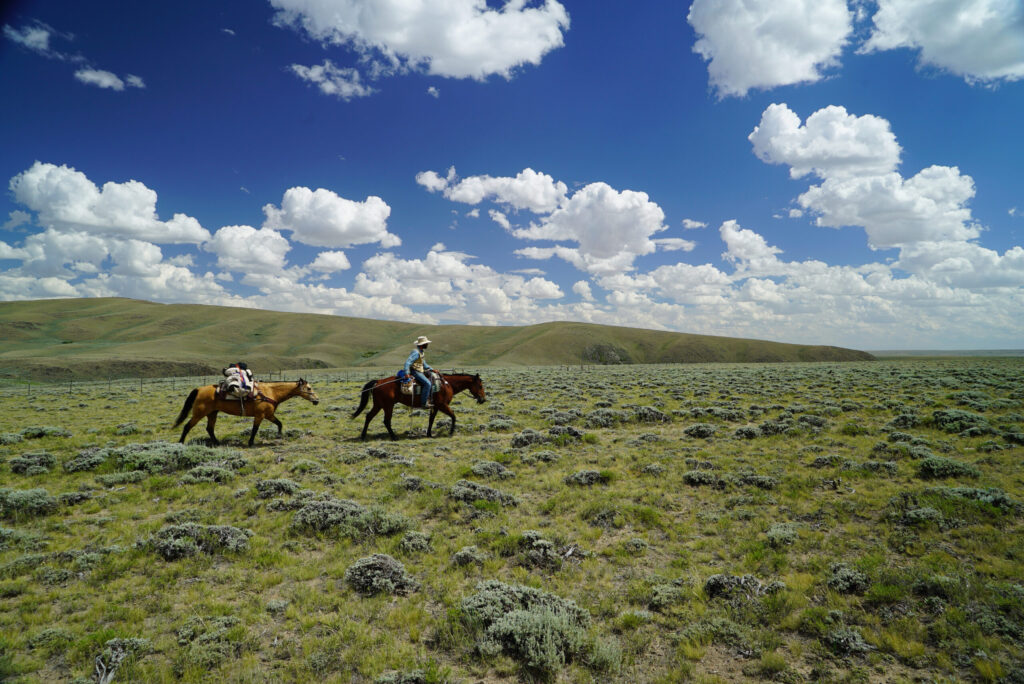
{"x": 407, "y": 383}
{"x": 229, "y": 393}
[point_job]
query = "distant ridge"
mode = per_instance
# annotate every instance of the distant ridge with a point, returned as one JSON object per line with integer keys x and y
{"x": 895, "y": 353}
{"x": 113, "y": 337}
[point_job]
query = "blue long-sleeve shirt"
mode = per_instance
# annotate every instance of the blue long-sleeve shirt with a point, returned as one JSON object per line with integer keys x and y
{"x": 416, "y": 355}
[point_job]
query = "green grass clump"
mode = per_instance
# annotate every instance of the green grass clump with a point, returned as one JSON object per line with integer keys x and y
{"x": 206, "y": 642}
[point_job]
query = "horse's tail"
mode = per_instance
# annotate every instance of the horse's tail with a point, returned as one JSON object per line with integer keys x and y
{"x": 186, "y": 408}
{"x": 365, "y": 397}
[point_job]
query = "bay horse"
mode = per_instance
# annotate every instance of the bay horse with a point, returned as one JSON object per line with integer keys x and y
{"x": 204, "y": 403}
{"x": 386, "y": 393}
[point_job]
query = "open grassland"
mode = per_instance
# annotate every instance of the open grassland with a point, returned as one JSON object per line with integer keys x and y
{"x": 806, "y": 522}
{"x": 109, "y": 337}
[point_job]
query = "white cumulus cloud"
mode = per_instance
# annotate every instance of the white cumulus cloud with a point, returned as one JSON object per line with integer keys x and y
{"x": 248, "y": 250}
{"x": 929, "y": 206}
{"x": 612, "y": 228}
{"x": 65, "y": 199}
{"x": 980, "y": 40}
{"x": 330, "y": 262}
{"x": 321, "y": 218}
{"x": 582, "y": 288}
{"x": 752, "y": 44}
{"x": 537, "y": 192}
{"x": 454, "y": 38}
{"x": 431, "y": 180}
{"x": 831, "y": 143}
{"x": 857, "y": 156}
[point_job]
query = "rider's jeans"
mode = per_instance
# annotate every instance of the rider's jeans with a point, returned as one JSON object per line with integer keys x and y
{"x": 424, "y": 385}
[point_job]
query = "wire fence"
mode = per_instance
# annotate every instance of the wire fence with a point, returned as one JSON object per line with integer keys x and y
{"x": 181, "y": 383}
{"x": 317, "y": 377}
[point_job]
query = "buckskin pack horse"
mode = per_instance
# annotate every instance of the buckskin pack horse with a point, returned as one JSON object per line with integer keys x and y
{"x": 204, "y": 403}
{"x": 386, "y": 393}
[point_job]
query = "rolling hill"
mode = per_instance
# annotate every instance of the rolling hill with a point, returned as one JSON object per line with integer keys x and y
{"x": 113, "y": 337}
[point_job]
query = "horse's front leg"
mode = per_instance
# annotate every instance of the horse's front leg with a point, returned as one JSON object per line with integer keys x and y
{"x": 430, "y": 423}
{"x": 211, "y": 421}
{"x": 451, "y": 414}
{"x": 273, "y": 419}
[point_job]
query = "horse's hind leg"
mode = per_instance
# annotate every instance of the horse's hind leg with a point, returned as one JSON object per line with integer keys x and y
{"x": 387, "y": 421}
{"x": 369, "y": 417}
{"x": 211, "y": 421}
{"x": 188, "y": 426}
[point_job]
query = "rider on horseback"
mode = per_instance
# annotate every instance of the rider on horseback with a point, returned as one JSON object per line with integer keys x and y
{"x": 416, "y": 366}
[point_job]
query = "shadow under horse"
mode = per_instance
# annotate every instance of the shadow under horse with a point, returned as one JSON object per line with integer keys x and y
{"x": 387, "y": 392}
{"x": 203, "y": 402}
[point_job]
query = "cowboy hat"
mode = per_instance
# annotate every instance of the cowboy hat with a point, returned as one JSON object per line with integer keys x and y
{"x": 421, "y": 340}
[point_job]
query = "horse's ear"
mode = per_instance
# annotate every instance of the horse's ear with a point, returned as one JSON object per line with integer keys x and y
{"x": 301, "y": 382}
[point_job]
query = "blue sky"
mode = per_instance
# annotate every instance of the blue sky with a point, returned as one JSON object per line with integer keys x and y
{"x": 840, "y": 172}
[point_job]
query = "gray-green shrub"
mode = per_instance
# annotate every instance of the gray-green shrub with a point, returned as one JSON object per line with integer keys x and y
{"x": 26, "y": 502}
{"x": 379, "y": 573}
{"x": 187, "y": 539}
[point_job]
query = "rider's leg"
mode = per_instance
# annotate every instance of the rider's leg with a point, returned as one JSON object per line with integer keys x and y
{"x": 424, "y": 387}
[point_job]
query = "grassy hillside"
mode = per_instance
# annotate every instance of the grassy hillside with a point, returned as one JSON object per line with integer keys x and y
{"x": 96, "y": 338}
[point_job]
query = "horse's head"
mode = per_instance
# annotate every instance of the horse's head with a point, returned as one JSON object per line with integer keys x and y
{"x": 476, "y": 388}
{"x": 306, "y": 392}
